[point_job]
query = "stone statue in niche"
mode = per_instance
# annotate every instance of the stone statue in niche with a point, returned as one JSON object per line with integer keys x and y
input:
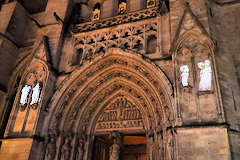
{"x": 184, "y": 75}
{"x": 170, "y": 145}
{"x": 160, "y": 145}
{"x": 114, "y": 151}
{"x": 51, "y": 148}
{"x": 66, "y": 149}
{"x": 80, "y": 149}
{"x": 151, "y": 145}
{"x": 25, "y": 92}
{"x": 122, "y": 7}
{"x": 205, "y": 75}
{"x": 151, "y": 3}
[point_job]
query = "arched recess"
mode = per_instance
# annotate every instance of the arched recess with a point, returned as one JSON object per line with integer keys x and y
{"x": 190, "y": 49}
{"x": 13, "y": 85}
{"x": 83, "y": 95}
{"x": 36, "y": 74}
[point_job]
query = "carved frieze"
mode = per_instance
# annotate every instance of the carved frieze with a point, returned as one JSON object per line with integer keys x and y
{"x": 133, "y": 37}
{"x": 121, "y": 19}
{"x": 120, "y": 114}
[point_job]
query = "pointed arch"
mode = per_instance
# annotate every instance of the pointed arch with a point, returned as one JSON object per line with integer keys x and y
{"x": 83, "y": 95}
{"x": 193, "y": 46}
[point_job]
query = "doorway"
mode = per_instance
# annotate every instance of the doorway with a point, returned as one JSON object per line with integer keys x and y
{"x": 132, "y": 147}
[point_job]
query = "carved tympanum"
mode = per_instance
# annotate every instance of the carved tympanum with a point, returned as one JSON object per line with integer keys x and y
{"x": 120, "y": 114}
{"x": 114, "y": 151}
{"x": 80, "y": 149}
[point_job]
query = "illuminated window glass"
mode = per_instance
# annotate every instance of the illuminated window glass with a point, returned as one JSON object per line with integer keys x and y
{"x": 184, "y": 75}
{"x": 24, "y": 94}
{"x": 36, "y": 94}
{"x": 205, "y": 75}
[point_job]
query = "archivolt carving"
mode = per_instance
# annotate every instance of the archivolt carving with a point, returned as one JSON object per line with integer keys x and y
{"x": 107, "y": 80}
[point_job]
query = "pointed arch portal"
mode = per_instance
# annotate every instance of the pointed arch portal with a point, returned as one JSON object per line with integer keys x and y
{"x": 117, "y": 91}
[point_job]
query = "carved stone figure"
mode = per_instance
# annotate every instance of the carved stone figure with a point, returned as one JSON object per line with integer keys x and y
{"x": 51, "y": 148}
{"x": 205, "y": 75}
{"x": 114, "y": 151}
{"x": 66, "y": 149}
{"x": 80, "y": 150}
{"x": 184, "y": 75}
{"x": 169, "y": 146}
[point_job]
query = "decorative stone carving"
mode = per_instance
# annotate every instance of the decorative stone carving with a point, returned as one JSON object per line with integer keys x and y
{"x": 66, "y": 149}
{"x": 170, "y": 145}
{"x": 121, "y": 19}
{"x": 103, "y": 100}
{"x": 120, "y": 114}
{"x": 51, "y": 148}
{"x": 132, "y": 37}
{"x": 114, "y": 151}
{"x": 80, "y": 149}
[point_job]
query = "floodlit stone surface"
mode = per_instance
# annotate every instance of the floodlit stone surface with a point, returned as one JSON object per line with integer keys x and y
{"x": 120, "y": 79}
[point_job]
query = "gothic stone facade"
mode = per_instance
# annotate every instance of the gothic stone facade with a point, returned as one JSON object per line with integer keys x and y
{"x": 74, "y": 70}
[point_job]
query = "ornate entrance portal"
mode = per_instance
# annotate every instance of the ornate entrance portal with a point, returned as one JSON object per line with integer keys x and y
{"x": 116, "y": 91}
{"x": 120, "y": 146}
{"x": 119, "y": 119}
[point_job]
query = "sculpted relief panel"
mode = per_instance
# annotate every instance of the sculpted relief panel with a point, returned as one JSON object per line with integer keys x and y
{"x": 120, "y": 114}
{"x": 132, "y": 37}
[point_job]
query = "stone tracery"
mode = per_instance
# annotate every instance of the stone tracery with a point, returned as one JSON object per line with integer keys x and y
{"x": 134, "y": 37}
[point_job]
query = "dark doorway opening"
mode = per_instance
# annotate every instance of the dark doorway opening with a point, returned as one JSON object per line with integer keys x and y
{"x": 132, "y": 147}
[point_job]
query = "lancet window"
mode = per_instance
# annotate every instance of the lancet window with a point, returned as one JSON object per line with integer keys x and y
{"x": 30, "y": 94}
{"x": 122, "y": 6}
{"x": 96, "y": 12}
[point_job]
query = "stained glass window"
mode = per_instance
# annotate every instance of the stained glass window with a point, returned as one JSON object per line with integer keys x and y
{"x": 205, "y": 75}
